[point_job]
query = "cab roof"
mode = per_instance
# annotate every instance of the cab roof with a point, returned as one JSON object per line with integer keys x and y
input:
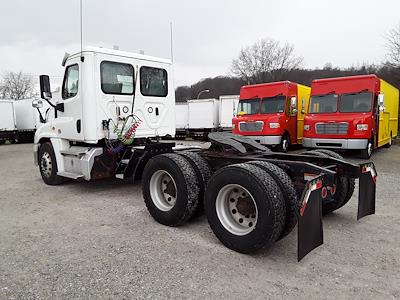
{"x": 348, "y": 84}
{"x": 122, "y": 54}
{"x": 269, "y": 89}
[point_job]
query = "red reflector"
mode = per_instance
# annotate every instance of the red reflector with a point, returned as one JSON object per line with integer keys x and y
{"x": 324, "y": 192}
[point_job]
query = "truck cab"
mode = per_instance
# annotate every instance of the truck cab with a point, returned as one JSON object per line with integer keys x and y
{"x": 272, "y": 113}
{"x": 357, "y": 112}
{"x": 104, "y": 93}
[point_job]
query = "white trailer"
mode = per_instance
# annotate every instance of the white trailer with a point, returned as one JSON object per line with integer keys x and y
{"x": 227, "y": 110}
{"x": 8, "y": 126}
{"x": 203, "y": 117}
{"x": 181, "y": 119}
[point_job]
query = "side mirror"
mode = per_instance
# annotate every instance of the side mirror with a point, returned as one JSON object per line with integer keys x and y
{"x": 381, "y": 101}
{"x": 303, "y": 106}
{"x": 293, "y": 106}
{"x": 45, "y": 90}
{"x": 37, "y": 103}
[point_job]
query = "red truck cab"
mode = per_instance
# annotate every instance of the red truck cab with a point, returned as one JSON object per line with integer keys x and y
{"x": 268, "y": 113}
{"x": 349, "y": 113}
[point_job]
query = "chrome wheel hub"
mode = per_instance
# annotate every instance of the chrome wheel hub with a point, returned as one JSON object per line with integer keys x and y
{"x": 163, "y": 190}
{"x": 236, "y": 209}
{"x": 46, "y": 165}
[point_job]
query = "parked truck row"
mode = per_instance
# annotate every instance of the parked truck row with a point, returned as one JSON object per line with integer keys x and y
{"x": 356, "y": 112}
{"x": 197, "y": 118}
{"x": 115, "y": 107}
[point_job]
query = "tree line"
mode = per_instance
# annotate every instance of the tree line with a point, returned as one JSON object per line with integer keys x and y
{"x": 268, "y": 60}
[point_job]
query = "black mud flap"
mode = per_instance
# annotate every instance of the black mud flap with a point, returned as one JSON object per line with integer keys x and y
{"x": 367, "y": 190}
{"x": 309, "y": 228}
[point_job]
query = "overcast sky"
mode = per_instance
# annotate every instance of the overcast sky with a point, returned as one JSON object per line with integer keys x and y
{"x": 207, "y": 34}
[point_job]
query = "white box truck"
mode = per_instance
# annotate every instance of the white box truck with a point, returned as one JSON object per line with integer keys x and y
{"x": 227, "y": 110}
{"x": 181, "y": 120}
{"x": 8, "y": 125}
{"x": 203, "y": 117}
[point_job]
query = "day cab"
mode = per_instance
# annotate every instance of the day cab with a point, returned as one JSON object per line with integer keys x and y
{"x": 269, "y": 113}
{"x": 357, "y": 112}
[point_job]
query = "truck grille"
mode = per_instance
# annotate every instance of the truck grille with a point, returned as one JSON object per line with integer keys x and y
{"x": 251, "y": 126}
{"x": 332, "y": 128}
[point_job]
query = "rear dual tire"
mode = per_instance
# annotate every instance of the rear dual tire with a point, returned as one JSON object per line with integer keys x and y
{"x": 245, "y": 207}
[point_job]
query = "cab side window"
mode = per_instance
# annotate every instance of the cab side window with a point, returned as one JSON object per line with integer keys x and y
{"x": 153, "y": 82}
{"x": 71, "y": 82}
{"x": 116, "y": 78}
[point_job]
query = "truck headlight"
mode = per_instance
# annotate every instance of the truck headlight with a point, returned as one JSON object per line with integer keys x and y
{"x": 306, "y": 127}
{"x": 362, "y": 127}
{"x": 233, "y": 126}
{"x": 274, "y": 125}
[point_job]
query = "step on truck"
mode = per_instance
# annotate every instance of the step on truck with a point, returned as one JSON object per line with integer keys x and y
{"x": 272, "y": 113}
{"x": 115, "y": 108}
{"x": 356, "y": 112}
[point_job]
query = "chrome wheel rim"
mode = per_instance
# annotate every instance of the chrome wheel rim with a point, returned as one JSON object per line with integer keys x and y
{"x": 46, "y": 165}
{"x": 163, "y": 190}
{"x": 369, "y": 149}
{"x": 236, "y": 209}
{"x": 285, "y": 145}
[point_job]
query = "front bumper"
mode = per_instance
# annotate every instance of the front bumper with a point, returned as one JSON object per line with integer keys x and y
{"x": 267, "y": 139}
{"x": 335, "y": 143}
{"x": 35, "y": 154}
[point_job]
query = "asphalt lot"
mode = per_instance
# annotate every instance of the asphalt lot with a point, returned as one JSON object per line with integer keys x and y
{"x": 96, "y": 240}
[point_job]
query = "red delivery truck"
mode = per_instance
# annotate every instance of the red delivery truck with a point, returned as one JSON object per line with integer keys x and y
{"x": 272, "y": 113}
{"x": 357, "y": 112}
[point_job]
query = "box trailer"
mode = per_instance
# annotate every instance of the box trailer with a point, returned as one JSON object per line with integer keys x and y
{"x": 27, "y": 120}
{"x": 355, "y": 112}
{"x": 8, "y": 126}
{"x": 203, "y": 117}
{"x": 181, "y": 120}
{"x": 227, "y": 110}
{"x": 272, "y": 113}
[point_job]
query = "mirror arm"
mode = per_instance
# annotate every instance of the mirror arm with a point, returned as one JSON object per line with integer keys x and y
{"x": 42, "y": 120}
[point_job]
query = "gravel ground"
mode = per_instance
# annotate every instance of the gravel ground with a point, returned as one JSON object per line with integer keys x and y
{"x": 96, "y": 240}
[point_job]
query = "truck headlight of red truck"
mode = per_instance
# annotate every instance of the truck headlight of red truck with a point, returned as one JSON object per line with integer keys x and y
{"x": 362, "y": 127}
{"x": 306, "y": 127}
{"x": 274, "y": 125}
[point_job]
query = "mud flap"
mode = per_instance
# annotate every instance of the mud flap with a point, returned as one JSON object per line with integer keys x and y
{"x": 367, "y": 190}
{"x": 309, "y": 228}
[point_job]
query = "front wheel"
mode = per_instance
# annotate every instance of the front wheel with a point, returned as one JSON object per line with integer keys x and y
{"x": 284, "y": 145}
{"x": 367, "y": 152}
{"x": 48, "y": 165}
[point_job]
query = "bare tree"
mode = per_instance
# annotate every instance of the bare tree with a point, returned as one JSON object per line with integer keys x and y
{"x": 16, "y": 86}
{"x": 266, "y": 60}
{"x": 393, "y": 45}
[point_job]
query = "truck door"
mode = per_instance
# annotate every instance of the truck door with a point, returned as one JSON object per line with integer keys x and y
{"x": 291, "y": 123}
{"x": 69, "y": 122}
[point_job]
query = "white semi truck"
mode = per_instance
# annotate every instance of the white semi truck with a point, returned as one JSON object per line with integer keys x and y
{"x": 117, "y": 105}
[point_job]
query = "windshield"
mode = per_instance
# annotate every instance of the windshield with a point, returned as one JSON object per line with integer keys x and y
{"x": 249, "y": 106}
{"x": 273, "y": 105}
{"x": 323, "y": 104}
{"x": 360, "y": 102}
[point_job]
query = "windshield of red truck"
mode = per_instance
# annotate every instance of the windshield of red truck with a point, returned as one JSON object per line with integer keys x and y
{"x": 323, "y": 104}
{"x": 273, "y": 105}
{"x": 249, "y": 106}
{"x": 359, "y": 102}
